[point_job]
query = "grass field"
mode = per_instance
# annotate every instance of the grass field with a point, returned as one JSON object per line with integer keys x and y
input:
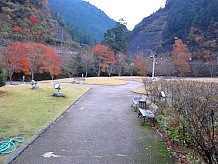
{"x": 25, "y": 111}
{"x": 96, "y": 81}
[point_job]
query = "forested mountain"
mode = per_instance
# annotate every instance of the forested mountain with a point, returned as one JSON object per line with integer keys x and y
{"x": 27, "y": 20}
{"x": 148, "y": 33}
{"x": 193, "y": 21}
{"x": 86, "y": 23}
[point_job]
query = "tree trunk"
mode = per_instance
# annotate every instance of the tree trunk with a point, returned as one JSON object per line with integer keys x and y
{"x": 99, "y": 71}
{"x": 10, "y": 78}
{"x": 86, "y": 74}
{"x": 32, "y": 75}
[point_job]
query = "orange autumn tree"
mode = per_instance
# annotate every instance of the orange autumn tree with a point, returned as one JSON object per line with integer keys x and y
{"x": 14, "y": 59}
{"x": 211, "y": 61}
{"x": 17, "y": 29}
{"x": 33, "y": 20}
{"x": 110, "y": 61}
{"x": 104, "y": 59}
{"x": 52, "y": 64}
{"x": 30, "y": 59}
{"x": 142, "y": 65}
{"x": 43, "y": 59}
{"x": 36, "y": 56}
{"x": 180, "y": 56}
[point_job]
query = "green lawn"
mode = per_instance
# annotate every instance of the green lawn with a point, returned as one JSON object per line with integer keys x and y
{"x": 23, "y": 111}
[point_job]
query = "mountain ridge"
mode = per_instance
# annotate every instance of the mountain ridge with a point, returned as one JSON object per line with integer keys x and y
{"x": 85, "y": 22}
{"x": 195, "y": 22}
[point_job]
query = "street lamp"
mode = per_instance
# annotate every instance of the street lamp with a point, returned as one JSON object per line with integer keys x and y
{"x": 62, "y": 37}
{"x": 153, "y": 66}
{"x": 58, "y": 93}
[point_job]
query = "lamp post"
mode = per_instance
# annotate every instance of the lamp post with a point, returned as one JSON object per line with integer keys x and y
{"x": 153, "y": 65}
{"x": 62, "y": 37}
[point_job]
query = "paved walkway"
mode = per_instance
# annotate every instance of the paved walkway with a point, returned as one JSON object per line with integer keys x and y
{"x": 100, "y": 128}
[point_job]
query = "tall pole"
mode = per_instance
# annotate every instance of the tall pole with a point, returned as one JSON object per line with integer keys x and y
{"x": 62, "y": 36}
{"x": 153, "y": 66}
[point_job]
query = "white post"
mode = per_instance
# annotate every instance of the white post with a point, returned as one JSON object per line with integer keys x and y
{"x": 153, "y": 67}
{"x": 62, "y": 36}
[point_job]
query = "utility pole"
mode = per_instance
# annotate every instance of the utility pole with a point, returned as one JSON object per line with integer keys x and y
{"x": 137, "y": 49}
{"x": 62, "y": 37}
{"x": 153, "y": 66}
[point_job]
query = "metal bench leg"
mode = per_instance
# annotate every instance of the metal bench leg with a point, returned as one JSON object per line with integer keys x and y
{"x": 135, "y": 108}
{"x": 143, "y": 121}
{"x": 139, "y": 114}
{"x": 154, "y": 121}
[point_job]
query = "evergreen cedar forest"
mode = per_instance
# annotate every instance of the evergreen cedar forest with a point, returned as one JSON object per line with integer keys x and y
{"x": 183, "y": 35}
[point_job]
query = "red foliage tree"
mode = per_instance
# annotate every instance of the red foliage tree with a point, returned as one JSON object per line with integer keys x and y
{"x": 14, "y": 59}
{"x": 30, "y": 59}
{"x": 28, "y": 30}
{"x": 104, "y": 58}
{"x": 36, "y": 54}
{"x": 43, "y": 59}
{"x": 52, "y": 64}
{"x": 142, "y": 65}
{"x": 33, "y": 20}
{"x": 17, "y": 29}
{"x": 180, "y": 56}
{"x": 37, "y": 34}
{"x": 207, "y": 55}
{"x": 138, "y": 65}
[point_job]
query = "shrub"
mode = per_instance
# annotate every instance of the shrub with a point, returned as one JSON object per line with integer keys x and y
{"x": 2, "y": 76}
{"x": 192, "y": 108}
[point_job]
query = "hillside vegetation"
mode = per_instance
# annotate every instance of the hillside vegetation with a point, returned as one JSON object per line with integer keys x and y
{"x": 85, "y": 23}
{"x": 193, "y": 21}
{"x": 26, "y": 20}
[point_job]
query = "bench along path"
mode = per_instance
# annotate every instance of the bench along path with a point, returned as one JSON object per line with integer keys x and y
{"x": 100, "y": 128}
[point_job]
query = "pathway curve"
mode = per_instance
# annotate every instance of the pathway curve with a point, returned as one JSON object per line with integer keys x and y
{"x": 100, "y": 128}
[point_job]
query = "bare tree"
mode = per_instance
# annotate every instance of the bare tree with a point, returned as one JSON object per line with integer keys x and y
{"x": 164, "y": 66}
{"x": 196, "y": 66}
{"x": 120, "y": 63}
{"x": 129, "y": 66}
{"x": 86, "y": 59}
{"x": 211, "y": 66}
{"x": 69, "y": 65}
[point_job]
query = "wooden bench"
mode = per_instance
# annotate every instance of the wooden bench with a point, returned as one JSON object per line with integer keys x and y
{"x": 148, "y": 113}
{"x": 135, "y": 101}
{"x": 79, "y": 80}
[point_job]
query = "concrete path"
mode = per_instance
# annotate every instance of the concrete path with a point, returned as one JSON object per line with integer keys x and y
{"x": 100, "y": 128}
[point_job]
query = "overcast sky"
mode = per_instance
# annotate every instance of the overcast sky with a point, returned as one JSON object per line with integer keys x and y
{"x": 133, "y": 11}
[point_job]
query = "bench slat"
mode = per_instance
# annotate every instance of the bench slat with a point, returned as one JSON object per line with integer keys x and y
{"x": 136, "y": 101}
{"x": 148, "y": 113}
{"x": 153, "y": 108}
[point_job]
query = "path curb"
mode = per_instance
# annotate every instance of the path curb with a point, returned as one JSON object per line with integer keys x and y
{"x": 28, "y": 143}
